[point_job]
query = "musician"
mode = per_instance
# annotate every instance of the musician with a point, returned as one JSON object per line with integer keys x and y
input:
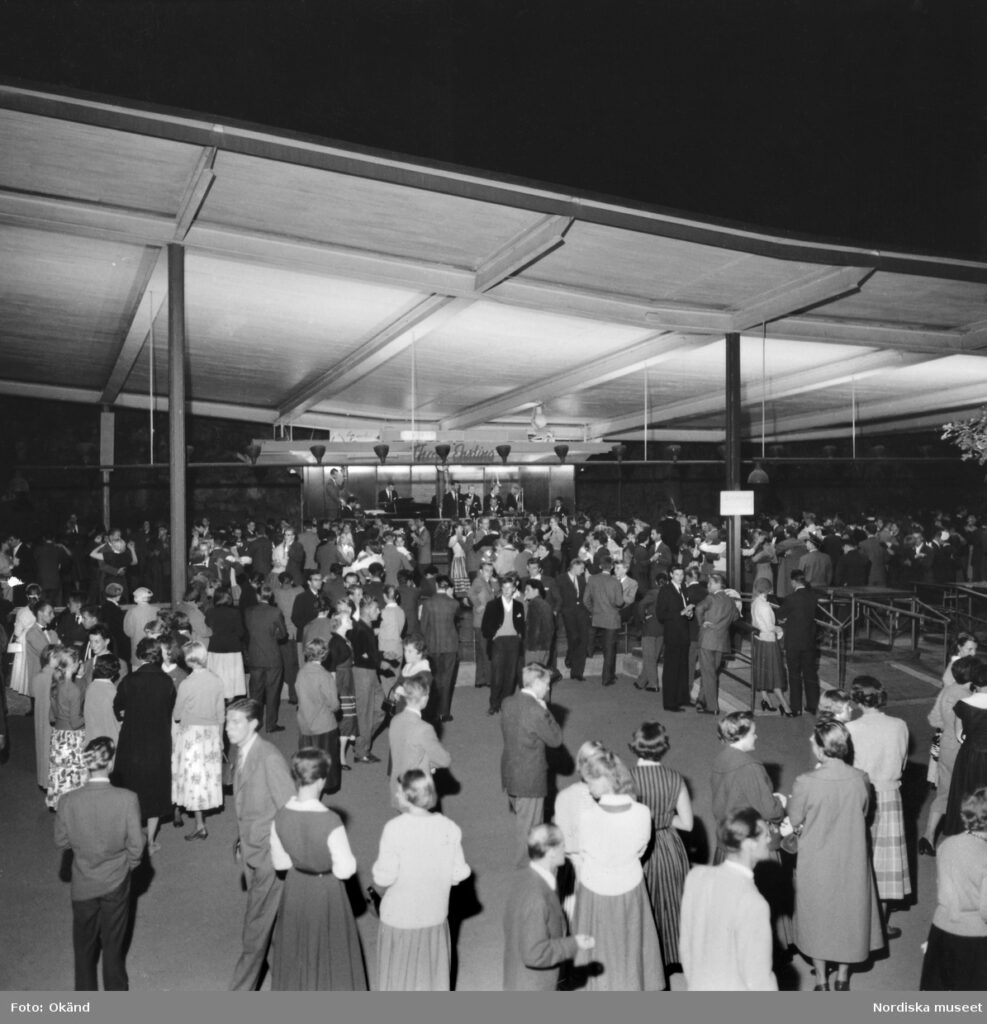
{"x": 470, "y": 505}
{"x": 493, "y": 503}
{"x": 388, "y": 500}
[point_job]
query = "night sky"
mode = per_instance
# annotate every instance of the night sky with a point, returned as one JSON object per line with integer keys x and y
{"x": 853, "y": 120}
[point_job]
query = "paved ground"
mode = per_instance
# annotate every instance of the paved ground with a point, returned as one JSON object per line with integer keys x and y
{"x": 187, "y": 924}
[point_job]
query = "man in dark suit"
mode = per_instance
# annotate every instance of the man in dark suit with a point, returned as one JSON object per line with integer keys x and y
{"x": 716, "y": 613}
{"x": 440, "y": 628}
{"x": 673, "y": 611}
{"x": 112, "y": 614}
{"x": 261, "y": 787}
{"x": 388, "y": 500}
{"x": 409, "y": 600}
{"x": 503, "y": 630}
{"x": 575, "y": 617}
{"x": 102, "y": 825}
{"x": 334, "y": 495}
{"x": 798, "y": 615}
{"x": 366, "y": 680}
{"x": 470, "y": 505}
{"x": 266, "y": 630}
{"x": 604, "y": 598}
{"x": 535, "y": 940}
{"x": 853, "y": 568}
{"x": 528, "y": 728}
{"x": 306, "y": 607}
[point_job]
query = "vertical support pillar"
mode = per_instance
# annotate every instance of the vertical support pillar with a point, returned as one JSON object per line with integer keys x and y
{"x": 177, "y": 463}
{"x": 107, "y": 457}
{"x": 732, "y": 481}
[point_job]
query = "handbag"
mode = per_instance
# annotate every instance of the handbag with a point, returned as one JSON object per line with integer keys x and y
{"x": 394, "y": 702}
{"x": 932, "y": 774}
{"x": 15, "y": 647}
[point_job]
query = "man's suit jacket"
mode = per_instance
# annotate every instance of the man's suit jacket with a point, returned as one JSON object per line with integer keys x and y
{"x": 423, "y": 546}
{"x": 571, "y": 595}
{"x": 265, "y": 628}
{"x": 798, "y": 615}
{"x": 493, "y": 618}
{"x": 603, "y": 599}
{"x": 304, "y": 610}
{"x": 388, "y": 500}
{"x": 102, "y": 824}
{"x": 720, "y": 613}
{"x": 852, "y": 570}
{"x": 36, "y": 640}
{"x": 818, "y": 568}
{"x": 877, "y": 556}
{"x": 296, "y": 564}
{"x": 414, "y": 744}
{"x": 261, "y": 787}
{"x": 535, "y": 939}
{"x": 539, "y": 625}
{"x": 261, "y": 552}
{"x": 528, "y": 729}
{"x": 439, "y": 618}
{"x": 334, "y": 499}
{"x": 394, "y": 562}
{"x": 668, "y": 611}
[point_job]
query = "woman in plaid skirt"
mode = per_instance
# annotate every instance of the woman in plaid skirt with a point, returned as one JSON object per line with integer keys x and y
{"x": 880, "y": 746}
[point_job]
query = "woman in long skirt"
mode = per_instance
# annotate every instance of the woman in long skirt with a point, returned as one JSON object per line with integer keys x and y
{"x": 24, "y": 619}
{"x": 420, "y": 859}
{"x": 197, "y": 757}
{"x": 612, "y": 900}
{"x": 226, "y": 644}
{"x": 767, "y": 670}
{"x": 880, "y": 748}
{"x": 339, "y": 659}
{"x": 316, "y": 944}
{"x": 67, "y": 769}
{"x": 662, "y": 790}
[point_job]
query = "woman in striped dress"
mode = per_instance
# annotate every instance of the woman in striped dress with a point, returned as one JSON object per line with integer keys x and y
{"x": 664, "y": 792}
{"x": 880, "y": 748}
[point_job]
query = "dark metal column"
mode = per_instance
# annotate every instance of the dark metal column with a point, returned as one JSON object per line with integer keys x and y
{"x": 176, "y": 418}
{"x": 732, "y": 481}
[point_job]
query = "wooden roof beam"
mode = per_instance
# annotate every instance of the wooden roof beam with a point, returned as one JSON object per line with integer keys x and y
{"x": 815, "y": 379}
{"x": 814, "y": 289}
{"x": 521, "y": 251}
{"x": 648, "y": 352}
{"x": 195, "y": 193}
{"x": 373, "y": 351}
{"x": 928, "y": 401}
{"x": 146, "y": 299}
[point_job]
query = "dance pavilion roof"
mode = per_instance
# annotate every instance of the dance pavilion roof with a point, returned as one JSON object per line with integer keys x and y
{"x": 335, "y": 287}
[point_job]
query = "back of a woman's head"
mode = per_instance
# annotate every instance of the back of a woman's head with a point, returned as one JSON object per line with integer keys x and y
{"x": 868, "y": 692}
{"x": 308, "y": 765}
{"x": 973, "y": 810}
{"x": 833, "y": 741}
{"x": 418, "y": 789}
{"x": 735, "y": 726}
{"x": 611, "y": 775}
{"x": 64, "y": 664}
{"x": 590, "y": 751}
{"x": 740, "y": 824}
{"x": 762, "y": 585}
{"x": 149, "y": 651}
{"x": 650, "y": 741}
{"x": 195, "y": 654}
{"x": 834, "y": 705}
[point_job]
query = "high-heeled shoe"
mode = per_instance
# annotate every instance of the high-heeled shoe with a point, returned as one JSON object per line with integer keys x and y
{"x": 765, "y": 706}
{"x": 784, "y": 713}
{"x": 925, "y": 848}
{"x": 841, "y": 986}
{"x": 199, "y": 833}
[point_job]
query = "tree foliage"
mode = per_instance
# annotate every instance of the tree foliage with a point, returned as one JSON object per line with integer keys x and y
{"x": 970, "y": 436}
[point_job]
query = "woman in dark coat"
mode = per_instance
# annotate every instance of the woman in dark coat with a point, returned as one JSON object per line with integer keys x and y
{"x": 144, "y": 702}
{"x": 837, "y": 919}
{"x": 739, "y": 780}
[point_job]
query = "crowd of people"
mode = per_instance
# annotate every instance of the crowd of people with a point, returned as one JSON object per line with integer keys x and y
{"x": 168, "y": 705}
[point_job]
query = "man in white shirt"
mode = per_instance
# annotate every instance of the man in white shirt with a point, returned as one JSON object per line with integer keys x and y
{"x": 725, "y": 938}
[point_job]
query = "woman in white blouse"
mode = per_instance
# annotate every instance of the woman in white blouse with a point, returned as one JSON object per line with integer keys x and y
{"x": 420, "y": 859}
{"x": 767, "y": 670}
{"x": 612, "y": 901}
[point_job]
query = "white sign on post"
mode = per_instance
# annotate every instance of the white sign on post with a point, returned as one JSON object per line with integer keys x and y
{"x": 736, "y": 503}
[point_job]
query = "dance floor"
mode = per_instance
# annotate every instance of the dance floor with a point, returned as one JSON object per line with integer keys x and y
{"x": 186, "y": 931}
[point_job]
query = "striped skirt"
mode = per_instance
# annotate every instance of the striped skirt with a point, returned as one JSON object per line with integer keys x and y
{"x": 460, "y": 577}
{"x": 67, "y": 769}
{"x": 888, "y": 843}
{"x": 197, "y": 768}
